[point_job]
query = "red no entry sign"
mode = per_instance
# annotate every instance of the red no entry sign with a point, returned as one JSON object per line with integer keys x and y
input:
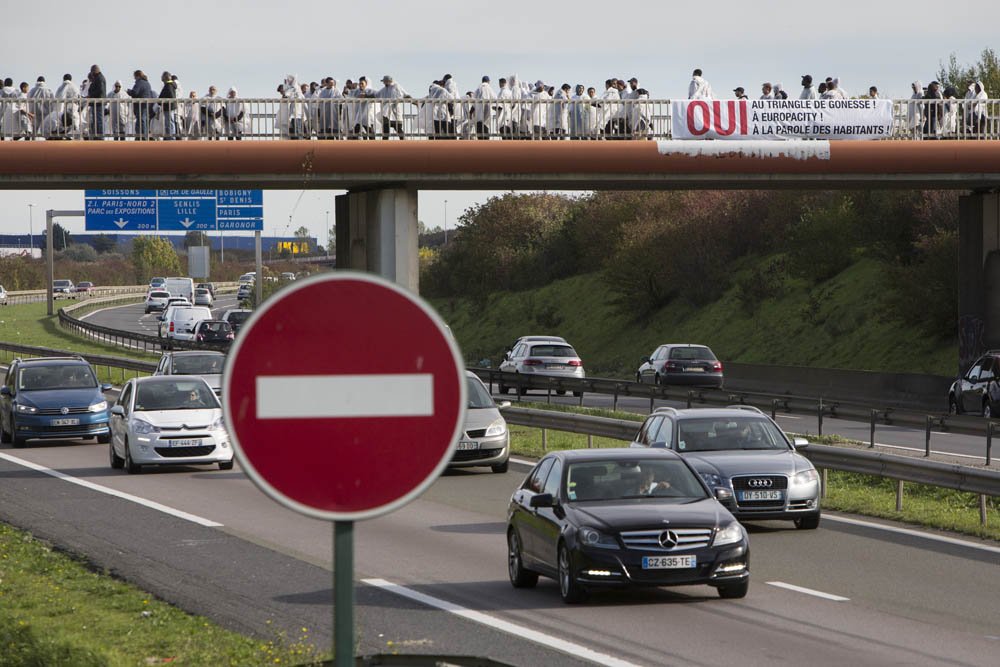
{"x": 345, "y": 396}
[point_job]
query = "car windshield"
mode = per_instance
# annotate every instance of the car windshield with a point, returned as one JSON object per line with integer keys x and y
{"x": 632, "y": 478}
{"x": 238, "y": 318}
{"x": 221, "y": 328}
{"x": 85, "y": 284}
{"x": 61, "y": 283}
{"x": 197, "y": 364}
{"x": 177, "y": 395}
{"x": 712, "y": 434}
{"x": 478, "y": 396}
{"x": 159, "y": 295}
{"x": 692, "y": 354}
{"x": 64, "y": 376}
{"x": 553, "y": 351}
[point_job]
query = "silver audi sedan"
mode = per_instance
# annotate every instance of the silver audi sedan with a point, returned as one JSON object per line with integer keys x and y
{"x": 742, "y": 451}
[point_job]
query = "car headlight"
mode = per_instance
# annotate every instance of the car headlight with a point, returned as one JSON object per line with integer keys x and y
{"x": 729, "y": 535}
{"x": 218, "y": 425}
{"x": 595, "y": 538}
{"x": 28, "y": 409}
{"x": 499, "y": 427}
{"x": 711, "y": 479}
{"x": 142, "y": 426}
{"x": 805, "y": 476}
{"x": 99, "y": 407}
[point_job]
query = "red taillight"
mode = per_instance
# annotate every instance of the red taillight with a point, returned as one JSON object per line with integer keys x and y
{"x": 717, "y": 366}
{"x": 670, "y": 366}
{"x": 575, "y": 362}
{"x": 532, "y": 362}
{"x": 171, "y": 326}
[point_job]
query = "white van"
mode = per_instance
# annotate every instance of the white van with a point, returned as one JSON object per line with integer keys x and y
{"x": 180, "y": 287}
{"x": 181, "y": 320}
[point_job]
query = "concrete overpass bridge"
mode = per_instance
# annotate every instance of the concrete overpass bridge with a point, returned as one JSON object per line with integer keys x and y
{"x": 378, "y": 215}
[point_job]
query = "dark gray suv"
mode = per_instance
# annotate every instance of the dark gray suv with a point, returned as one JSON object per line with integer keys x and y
{"x": 742, "y": 450}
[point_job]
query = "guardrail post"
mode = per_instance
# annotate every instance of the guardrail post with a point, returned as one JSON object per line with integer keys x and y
{"x": 927, "y": 436}
{"x": 989, "y": 441}
{"x": 690, "y": 397}
{"x": 899, "y": 495}
{"x": 982, "y": 509}
{"x": 774, "y": 409}
{"x": 590, "y": 441}
{"x": 651, "y": 403}
{"x": 871, "y": 443}
{"x": 819, "y": 417}
{"x": 615, "y": 405}
{"x": 548, "y": 393}
{"x": 823, "y": 485}
{"x": 545, "y": 446}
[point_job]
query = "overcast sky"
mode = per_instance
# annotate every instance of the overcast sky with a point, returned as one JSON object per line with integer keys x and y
{"x": 253, "y": 44}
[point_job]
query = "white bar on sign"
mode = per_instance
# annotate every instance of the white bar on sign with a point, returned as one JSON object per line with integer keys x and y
{"x": 331, "y": 396}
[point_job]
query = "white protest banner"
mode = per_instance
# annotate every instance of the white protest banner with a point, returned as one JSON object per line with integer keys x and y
{"x": 781, "y": 119}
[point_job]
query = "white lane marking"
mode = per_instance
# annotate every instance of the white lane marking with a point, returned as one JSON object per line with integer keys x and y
{"x": 321, "y": 396}
{"x": 113, "y": 492}
{"x": 808, "y": 591}
{"x": 789, "y": 417}
{"x": 576, "y": 650}
{"x": 913, "y": 533}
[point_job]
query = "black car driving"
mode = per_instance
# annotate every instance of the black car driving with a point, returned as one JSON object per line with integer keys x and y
{"x": 619, "y": 518}
{"x": 978, "y": 391}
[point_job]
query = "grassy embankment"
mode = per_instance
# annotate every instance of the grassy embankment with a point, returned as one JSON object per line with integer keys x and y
{"x": 924, "y": 506}
{"x": 836, "y": 324}
{"x": 54, "y": 612}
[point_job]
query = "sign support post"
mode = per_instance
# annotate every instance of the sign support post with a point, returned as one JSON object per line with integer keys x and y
{"x": 259, "y": 282}
{"x": 343, "y": 593}
{"x": 50, "y": 248}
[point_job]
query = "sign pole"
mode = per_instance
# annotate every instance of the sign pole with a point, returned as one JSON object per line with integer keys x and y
{"x": 343, "y": 593}
{"x": 259, "y": 282}
{"x": 49, "y": 260}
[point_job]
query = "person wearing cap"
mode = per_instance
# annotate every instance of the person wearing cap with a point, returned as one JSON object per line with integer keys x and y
{"x": 808, "y": 92}
{"x": 392, "y": 111}
{"x": 740, "y": 93}
{"x": 484, "y": 108}
{"x": 699, "y": 89}
{"x": 629, "y": 92}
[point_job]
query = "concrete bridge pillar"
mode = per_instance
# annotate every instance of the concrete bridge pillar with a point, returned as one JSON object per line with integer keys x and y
{"x": 978, "y": 276}
{"x": 377, "y": 232}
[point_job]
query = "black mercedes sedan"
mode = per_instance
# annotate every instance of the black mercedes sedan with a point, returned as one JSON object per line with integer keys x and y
{"x": 596, "y": 518}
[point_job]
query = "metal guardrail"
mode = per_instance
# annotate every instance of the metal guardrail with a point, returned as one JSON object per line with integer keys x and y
{"x": 9, "y": 350}
{"x": 820, "y": 406}
{"x": 30, "y": 296}
{"x": 339, "y": 117}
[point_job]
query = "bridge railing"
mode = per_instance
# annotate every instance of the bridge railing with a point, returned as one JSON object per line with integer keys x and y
{"x": 411, "y": 118}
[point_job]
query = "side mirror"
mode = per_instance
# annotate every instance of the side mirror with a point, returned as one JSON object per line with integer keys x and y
{"x": 118, "y": 410}
{"x": 541, "y": 500}
{"x": 662, "y": 444}
{"x": 800, "y": 442}
{"x": 645, "y": 359}
{"x": 5, "y": 391}
{"x": 506, "y": 356}
{"x": 503, "y": 404}
{"x": 723, "y": 495}
{"x": 105, "y": 386}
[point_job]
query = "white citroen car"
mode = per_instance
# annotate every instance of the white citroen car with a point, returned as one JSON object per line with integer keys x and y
{"x": 168, "y": 420}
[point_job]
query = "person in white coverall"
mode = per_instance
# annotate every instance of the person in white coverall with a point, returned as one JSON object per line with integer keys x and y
{"x": 485, "y": 98}
{"x": 119, "y": 112}
{"x": 504, "y": 109}
{"x": 914, "y": 110}
{"x": 976, "y": 111}
{"x": 69, "y": 109}
{"x": 38, "y": 102}
{"x": 295, "y": 108}
{"x": 329, "y": 97}
{"x": 234, "y": 113}
{"x": 699, "y": 89}
{"x": 540, "y": 111}
{"x": 392, "y": 111}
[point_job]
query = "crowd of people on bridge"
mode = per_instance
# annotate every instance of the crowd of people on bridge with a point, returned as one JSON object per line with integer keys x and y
{"x": 357, "y": 110}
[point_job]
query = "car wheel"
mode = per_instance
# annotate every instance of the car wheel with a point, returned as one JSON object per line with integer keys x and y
{"x": 4, "y": 435}
{"x": 131, "y": 467}
{"x": 226, "y": 465}
{"x": 519, "y": 576}
{"x": 569, "y": 588}
{"x": 117, "y": 462}
{"x": 103, "y": 438}
{"x": 500, "y": 467}
{"x": 987, "y": 411}
{"x": 953, "y": 406}
{"x": 734, "y": 591}
{"x": 807, "y": 522}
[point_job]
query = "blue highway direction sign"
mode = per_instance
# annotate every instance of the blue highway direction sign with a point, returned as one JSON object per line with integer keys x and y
{"x": 174, "y": 210}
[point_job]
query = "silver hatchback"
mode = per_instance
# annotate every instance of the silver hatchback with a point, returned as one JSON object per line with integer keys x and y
{"x": 485, "y": 441}
{"x": 550, "y": 358}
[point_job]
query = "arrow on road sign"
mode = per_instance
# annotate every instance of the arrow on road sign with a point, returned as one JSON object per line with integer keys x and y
{"x": 121, "y": 222}
{"x": 187, "y": 222}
